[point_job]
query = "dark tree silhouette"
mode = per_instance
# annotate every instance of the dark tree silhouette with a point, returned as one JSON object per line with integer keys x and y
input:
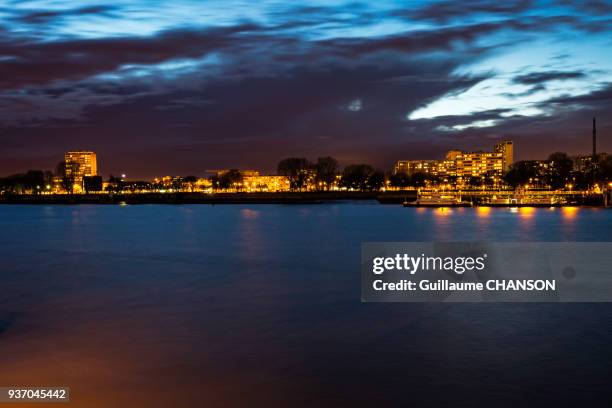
{"x": 231, "y": 178}
{"x": 92, "y": 183}
{"x": 32, "y": 182}
{"x": 115, "y": 184}
{"x": 561, "y": 166}
{"x": 355, "y": 176}
{"x": 399, "y": 180}
{"x": 605, "y": 170}
{"x": 419, "y": 179}
{"x": 67, "y": 175}
{"x": 214, "y": 180}
{"x": 67, "y": 180}
{"x": 488, "y": 180}
{"x": 475, "y": 181}
{"x": 296, "y": 170}
{"x": 190, "y": 182}
{"x": 596, "y": 172}
{"x": 326, "y": 170}
{"x": 375, "y": 181}
{"x": 521, "y": 173}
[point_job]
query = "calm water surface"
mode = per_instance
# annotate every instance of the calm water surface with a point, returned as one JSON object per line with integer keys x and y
{"x": 178, "y": 306}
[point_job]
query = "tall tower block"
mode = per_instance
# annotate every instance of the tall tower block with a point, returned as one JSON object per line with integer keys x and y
{"x": 506, "y": 149}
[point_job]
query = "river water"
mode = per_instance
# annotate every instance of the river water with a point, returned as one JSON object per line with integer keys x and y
{"x": 259, "y": 305}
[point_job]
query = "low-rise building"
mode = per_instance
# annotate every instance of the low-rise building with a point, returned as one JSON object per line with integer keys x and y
{"x": 265, "y": 183}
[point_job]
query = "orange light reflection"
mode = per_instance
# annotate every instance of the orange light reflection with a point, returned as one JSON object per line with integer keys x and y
{"x": 526, "y": 212}
{"x": 483, "y": 212}
{"x": 569, "y": 213}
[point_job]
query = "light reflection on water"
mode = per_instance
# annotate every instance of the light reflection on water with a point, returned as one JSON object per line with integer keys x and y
{"x": 527, "y": 212}
{"x": 483, "y": 212}
{"x": 570, "y": 213}
{"x": 158, "y": 306}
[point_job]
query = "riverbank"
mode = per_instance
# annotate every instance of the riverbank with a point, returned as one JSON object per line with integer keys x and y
{"x": 389, "y": 197}
{"x": 203, "y": 198}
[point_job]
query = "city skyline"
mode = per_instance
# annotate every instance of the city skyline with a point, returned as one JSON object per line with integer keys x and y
{"x": 219, "y": 85}
{"x": 455, "y": 162}
{"x": 500, "y": 160}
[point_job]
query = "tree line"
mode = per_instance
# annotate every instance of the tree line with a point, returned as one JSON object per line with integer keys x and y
{"x": 32, "y": 181}
{"x": 325, "y": 172}
{"x": 559, "y": 172}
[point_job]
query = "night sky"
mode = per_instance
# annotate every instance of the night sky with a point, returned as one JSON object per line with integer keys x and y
{"x": 178, "y": 87}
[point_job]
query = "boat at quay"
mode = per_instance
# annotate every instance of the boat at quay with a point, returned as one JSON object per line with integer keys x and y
{"x": 437, "y": 200}
{"x": 506, "y": 199}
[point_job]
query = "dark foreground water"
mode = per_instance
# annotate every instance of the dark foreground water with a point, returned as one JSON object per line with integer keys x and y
{"x": 222, "y": 306}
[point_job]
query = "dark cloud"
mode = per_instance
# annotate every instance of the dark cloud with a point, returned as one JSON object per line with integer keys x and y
{"x": 272, "y": 89}
{"x": 537, "y": 78}
{"x": 596, "y": 103}
{"x": 246, "y": 121}
{"x": 440, "y": 39}
{"x": 35, "y": 63}
{"x": 531, "y": 91}
{"x": 46, "y": 16}
{"x": 447, "y": 10}
{"x": 76, "y": 59}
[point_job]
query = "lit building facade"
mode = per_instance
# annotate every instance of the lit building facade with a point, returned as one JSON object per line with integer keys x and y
{"x": 204, "y": 184}
{"x": 80, "y": 164}
{"x": 253, "y": 181}
{"x": 506, "y": 148}
{"x": 462, "y": 165}
{"x": 431, "y": 167}
{"x": 266, "y": 183}
{"x": 479, "y": 164}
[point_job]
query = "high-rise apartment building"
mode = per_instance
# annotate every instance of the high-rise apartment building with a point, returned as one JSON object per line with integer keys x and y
{"x": 478, "y": 164}
{"x": 80, "y": 164}
{"x": 506, "y": 148}
{"x": 463, "y": 165}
